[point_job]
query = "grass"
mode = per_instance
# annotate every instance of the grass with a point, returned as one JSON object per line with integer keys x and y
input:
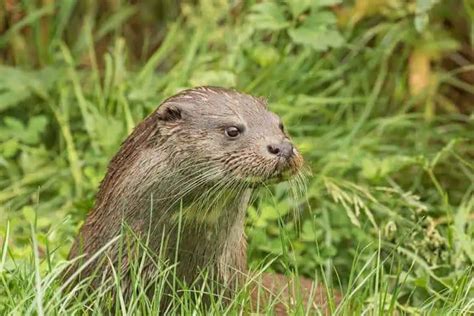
{"x": 388, "y": 214}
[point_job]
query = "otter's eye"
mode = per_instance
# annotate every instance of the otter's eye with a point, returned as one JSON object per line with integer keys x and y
{"x": 232, "y": 132}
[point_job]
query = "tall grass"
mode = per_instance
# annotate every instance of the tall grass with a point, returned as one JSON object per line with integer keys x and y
{"x": 383, "y": 118}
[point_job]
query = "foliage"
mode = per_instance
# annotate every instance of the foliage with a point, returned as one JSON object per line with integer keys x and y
{"x": 316, "y": 29}
{"x": 377, "y": 95}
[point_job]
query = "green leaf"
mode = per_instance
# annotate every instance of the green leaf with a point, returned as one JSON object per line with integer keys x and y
{"x": 425, "y": 5}
{"x": 14, "y": 125}
{"x": 36, "y": 126}
{"x": 9, "y": 148}
{"x": 318, "y": 31}
{"x": 421, "y": 21}
{"x": 321, "y": 19}
{"x": 319, "y": 40}
{"x": 326, "y": 3}
{"x": 17, "y": 85}
{"x": 264, "y": 55}
{"x": 30, "y": 134}
{"x": 298, "y": 6}
{"x": 422, "y": 17}
{"x": 29, "y": 213}
{"x": 308, "y": 232}
{"x": 268, "y": 16}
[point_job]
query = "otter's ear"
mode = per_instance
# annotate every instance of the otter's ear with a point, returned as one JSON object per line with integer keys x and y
{"x": 169, "y": 113}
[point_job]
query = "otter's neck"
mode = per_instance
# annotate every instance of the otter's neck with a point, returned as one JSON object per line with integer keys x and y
{"x": 217, "y": 243}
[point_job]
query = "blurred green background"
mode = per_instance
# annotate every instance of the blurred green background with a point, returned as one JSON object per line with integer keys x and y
{"x": 377, "y": 94}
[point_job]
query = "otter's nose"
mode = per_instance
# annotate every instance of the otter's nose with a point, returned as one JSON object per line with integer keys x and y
{"x": 284, "y": 149}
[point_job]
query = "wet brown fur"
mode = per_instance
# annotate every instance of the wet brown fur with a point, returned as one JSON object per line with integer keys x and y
{"x": 143, "y": 189}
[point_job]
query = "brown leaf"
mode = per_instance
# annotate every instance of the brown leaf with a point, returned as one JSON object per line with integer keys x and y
{"x": 419, "y": 72}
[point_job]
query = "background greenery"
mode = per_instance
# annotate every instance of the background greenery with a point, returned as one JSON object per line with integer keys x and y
{"x": 378, "y": 95}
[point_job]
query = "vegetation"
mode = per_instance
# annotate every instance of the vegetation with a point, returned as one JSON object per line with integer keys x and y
{"x": 378, "y": 95}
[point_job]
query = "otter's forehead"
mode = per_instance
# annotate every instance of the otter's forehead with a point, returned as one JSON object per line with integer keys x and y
{"x": 219, "y": 102}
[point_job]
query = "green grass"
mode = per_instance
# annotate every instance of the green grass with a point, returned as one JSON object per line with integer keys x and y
{"x": 389, "y": 210}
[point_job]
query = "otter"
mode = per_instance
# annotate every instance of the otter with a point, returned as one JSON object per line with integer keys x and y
{"x": 186, "y": 174}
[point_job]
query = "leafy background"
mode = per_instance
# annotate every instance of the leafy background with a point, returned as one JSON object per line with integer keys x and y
{"x": 378, "y": 95}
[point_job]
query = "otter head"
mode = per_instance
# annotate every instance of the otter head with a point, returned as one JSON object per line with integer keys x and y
{"x": 230, "y": 134}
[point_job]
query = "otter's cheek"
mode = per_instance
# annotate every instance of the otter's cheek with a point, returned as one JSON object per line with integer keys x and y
{"x": 299, "y": 163}
{"x": 297, "y": 154}
{"x": 296, "y": 162}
